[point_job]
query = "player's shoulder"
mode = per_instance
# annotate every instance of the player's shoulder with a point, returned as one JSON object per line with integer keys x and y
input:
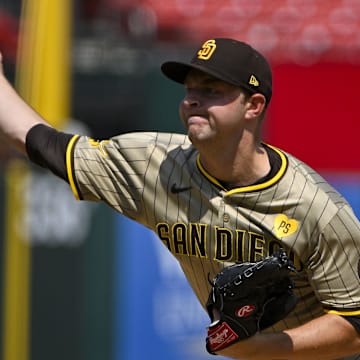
{"x": 307, "y": 177}
{"x": 296, "y": 165}
{"x": 139, "y": 140}
{"x": 152, "y": 138}
{"x": 302, "y": 169}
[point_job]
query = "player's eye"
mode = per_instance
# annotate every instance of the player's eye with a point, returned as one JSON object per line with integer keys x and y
{"x": 211, "y": 91}
{"x": 202, "y": 92}
{"x": 208, "y": 91}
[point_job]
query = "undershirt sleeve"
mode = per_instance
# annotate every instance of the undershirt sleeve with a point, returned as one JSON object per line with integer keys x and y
{"x": 46, "y": 147}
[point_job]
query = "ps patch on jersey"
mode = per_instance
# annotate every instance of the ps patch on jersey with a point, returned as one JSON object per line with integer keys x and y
{"x": 284, "y": 226}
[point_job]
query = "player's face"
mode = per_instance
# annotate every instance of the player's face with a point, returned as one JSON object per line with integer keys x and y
{"x": 212, "y": 110}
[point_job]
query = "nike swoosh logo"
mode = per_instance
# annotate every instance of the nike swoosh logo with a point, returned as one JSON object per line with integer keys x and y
{"x": 175, "y": 189}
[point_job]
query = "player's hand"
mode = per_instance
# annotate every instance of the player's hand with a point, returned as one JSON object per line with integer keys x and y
{"x": 249, "y": 297}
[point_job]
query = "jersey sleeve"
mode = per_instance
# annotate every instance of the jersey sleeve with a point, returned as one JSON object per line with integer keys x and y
{"x": 123, "y": 171}
{"x": 334, "y": 267}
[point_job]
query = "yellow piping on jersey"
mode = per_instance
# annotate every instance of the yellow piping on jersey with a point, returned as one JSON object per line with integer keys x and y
{"x": 207, "y": 175}
{"x": 250, "y": 188}
{"x": 69, "y": 167}
{"x": 343, "y": 313}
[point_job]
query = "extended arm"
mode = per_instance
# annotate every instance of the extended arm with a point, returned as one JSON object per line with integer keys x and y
{"x": 325, "y": 338}
{"x": 16, "y": 117}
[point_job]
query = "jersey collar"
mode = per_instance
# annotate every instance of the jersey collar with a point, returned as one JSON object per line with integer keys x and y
{"x": 249, "y": 188}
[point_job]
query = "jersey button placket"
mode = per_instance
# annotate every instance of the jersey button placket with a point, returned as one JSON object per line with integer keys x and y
{"x": 223, "y": 215}
{"x": 226, "y": 217}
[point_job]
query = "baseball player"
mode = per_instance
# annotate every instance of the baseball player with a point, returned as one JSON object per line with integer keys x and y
{"x": 219, "y": 195}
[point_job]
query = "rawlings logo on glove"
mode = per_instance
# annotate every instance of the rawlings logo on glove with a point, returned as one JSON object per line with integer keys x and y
{"x": 248, "y": 297}
{"x": 221, "y": 335}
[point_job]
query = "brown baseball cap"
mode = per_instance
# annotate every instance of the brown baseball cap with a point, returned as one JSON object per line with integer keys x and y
{"x": 229, "y": 60}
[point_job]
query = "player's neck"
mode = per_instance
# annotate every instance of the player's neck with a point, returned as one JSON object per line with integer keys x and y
{"x": 242, "y": 168}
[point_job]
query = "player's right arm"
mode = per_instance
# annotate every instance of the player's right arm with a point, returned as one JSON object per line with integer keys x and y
{"x": 16, "y": 117}
{"x": 29, "y": 133}
{"x": 325, "y": 338}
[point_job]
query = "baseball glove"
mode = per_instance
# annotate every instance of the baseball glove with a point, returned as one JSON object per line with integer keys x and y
{"x": 248, "y": 297}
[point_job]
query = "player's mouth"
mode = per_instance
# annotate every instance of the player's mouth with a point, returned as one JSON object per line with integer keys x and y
{"x": 196, "y": 120}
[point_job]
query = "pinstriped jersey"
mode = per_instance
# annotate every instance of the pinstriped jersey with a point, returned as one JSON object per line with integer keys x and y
{"x": 157, "y": 179}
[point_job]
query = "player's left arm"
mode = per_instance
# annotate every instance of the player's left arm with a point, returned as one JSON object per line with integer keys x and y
{"x": 325, "y": 338}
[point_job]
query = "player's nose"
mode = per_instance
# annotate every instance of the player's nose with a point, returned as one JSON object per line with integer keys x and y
{"x": 190, "y": 100}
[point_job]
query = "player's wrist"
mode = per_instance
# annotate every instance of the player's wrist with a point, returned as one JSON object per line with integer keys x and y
{"x": 260, "y": 346}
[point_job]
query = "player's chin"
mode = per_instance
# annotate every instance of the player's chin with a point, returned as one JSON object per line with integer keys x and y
{"x": 193, "y": 135}
{"x": 198, "y": 134}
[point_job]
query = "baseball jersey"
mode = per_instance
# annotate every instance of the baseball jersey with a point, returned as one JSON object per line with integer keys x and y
{"x": 158, "y": 180}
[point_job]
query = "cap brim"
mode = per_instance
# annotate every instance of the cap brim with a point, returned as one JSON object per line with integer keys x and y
{"x": 176, "y": 71}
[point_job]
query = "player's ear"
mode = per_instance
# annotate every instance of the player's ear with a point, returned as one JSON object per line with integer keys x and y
{"x": 255, "y": 104}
